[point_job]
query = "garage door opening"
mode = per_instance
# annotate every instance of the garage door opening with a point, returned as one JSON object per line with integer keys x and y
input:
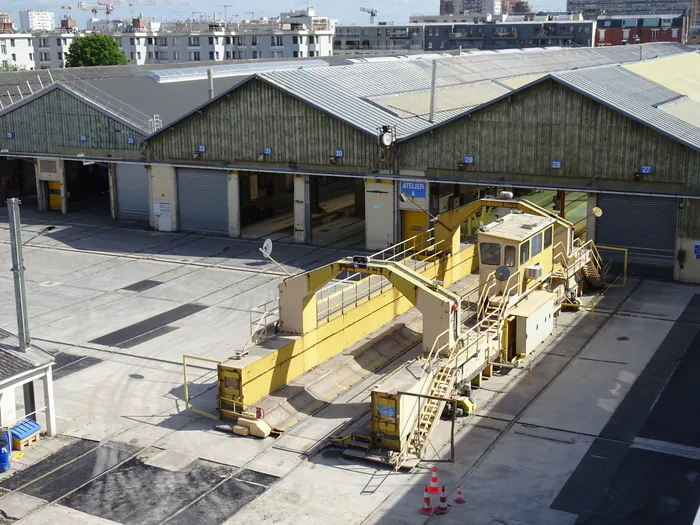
{"x": 338, "y": 211}
{"x": 203, "y": 200}
{"x": 17, "y": 179}
{"x": 267, "y": 205}
{"x": 87, "y": 188}
{"x": 131, "y": 183}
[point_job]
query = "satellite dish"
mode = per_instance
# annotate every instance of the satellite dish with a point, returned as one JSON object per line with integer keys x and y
{"x": 267, "y": 247}
{"x": 597, "y": 212}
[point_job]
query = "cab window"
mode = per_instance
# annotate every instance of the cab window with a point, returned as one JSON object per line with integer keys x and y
{"x": 547, "y": 238}
{"x": 509, "y": 256}
{"x": 524, "y": 252}
{"x": 536, "y": 245}
{"x": 490, "y": 253}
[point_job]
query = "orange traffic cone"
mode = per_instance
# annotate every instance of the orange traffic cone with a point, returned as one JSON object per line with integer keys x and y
{"x": 443, "y": 508}
{"x": 459, "y": 498}
{"x": 427, "y": 509}
{"x": 434, "y": 488}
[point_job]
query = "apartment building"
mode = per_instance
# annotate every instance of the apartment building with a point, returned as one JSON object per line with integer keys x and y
{"x": 31, "y": 20}
{"x": 17, "y": 51}
{"x": 368, "y": 40}
{"x": 633, "y": 29}
{"x": 298, "y": 34}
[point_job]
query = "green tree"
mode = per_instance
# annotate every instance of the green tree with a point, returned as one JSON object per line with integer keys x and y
{"x": 95, "y": 50}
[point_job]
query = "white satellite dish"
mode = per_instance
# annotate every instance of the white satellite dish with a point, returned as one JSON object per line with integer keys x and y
{"x": 597, "y": 212}
{"x": 267, "y": 247}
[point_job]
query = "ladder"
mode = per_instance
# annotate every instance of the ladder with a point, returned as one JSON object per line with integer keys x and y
{"x": 441, "y": 386}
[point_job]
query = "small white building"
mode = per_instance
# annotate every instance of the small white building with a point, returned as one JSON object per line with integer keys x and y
{"x": 31, "y": 20}
{"x": 17, "y": 369}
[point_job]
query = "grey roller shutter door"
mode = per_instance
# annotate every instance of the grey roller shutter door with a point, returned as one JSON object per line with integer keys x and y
{"x": 132, "y": 191}
{"x": 646, "y": 226}
{"x": 203, "y": 200}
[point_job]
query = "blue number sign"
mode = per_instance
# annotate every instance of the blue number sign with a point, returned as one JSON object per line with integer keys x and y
{"x": 83, "y": 138}
{"x": 131, "y": 140}
{"x": 202, "y": 148}
{"x": 646, "y": 170}
{"x": 267, "y": 151}
{"x": 469, "y": 159}
{"x": 9, "y": 135}
{"x": 556, "y": 164}
{"x": 416, "y": 190}
{"x": 339, "y": 153}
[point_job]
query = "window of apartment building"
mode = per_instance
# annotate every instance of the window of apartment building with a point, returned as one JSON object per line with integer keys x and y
{"x": 229, "y": 40}
{"x": 149, "y": 40}
{"x": 163, "y": 41}
{"x": 277, "y": 41}
{"x": 3, "y": 49}
{"x": 240, "y": 41}
{"x": 150, "y": 55}
{"x": 313, "y": 39}
{"x": 132, "y": 41}
{"x": 58, "y": 42}
{"x": 193, "y": 41}
{"x": 176, "y": 41}
{"x": 296, "y": 54}
{"x": 654, "y": 34}
{"x": 14, "y": 57}
{"x": 31, "y": 56}
{"x": 312, "y": 53}
{"x": 12, "y": 42}
{"x": 415, "y": 31}
{"x": 211, "y": 55}
{"x": 45, "y": 57}
{"x": 155, "y": 54}
{"x": 194, "y": 56}
{"x": 138, "y": 55}
{"x": 241, "y": 55}
{"x": 379, "y": 32}
{"x": 277, "y": 54}
{"x": 132, "y": 55}
{"x": 5, "y": 64}
{"x": 60, "y": 55}
{"x": 217, "y": 56}
{"x": 43, "y": 42}
{"x": 430, "y": 45}
{"x": 211, "y": 40}
{"x": 255, "y": 41}
{"x": 227, "y": 55}
{"x": 176, "y": 55}
{"x": 257, "y": 54}
{"x": 301, "y": 39}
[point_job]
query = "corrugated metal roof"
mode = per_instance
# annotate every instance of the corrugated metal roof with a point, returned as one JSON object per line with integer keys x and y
{"x": 344, "y": 92}
{"x": 416, "y": 103}
{"x": 687, "y": 110}
{"x": 634, "y": 96}
{"x": 680, "y": 73}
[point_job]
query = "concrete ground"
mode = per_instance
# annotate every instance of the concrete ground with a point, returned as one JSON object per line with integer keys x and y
{"x": 599, "y": 408}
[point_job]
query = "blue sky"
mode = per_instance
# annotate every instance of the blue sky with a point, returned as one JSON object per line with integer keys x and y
{"x": 347, "y": 11}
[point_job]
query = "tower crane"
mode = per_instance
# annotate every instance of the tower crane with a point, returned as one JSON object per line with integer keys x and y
{"x": 372, "y": 14}
{"x": 156, "y": 2}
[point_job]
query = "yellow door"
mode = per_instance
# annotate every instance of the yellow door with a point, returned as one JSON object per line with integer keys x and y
{"x": 54, "y": 196}
{"x": 415, "y": 223}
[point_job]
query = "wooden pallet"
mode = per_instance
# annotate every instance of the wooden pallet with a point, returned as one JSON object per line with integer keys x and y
{"x": 21, "y": 444}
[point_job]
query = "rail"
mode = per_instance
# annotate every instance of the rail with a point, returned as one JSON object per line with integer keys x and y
{"x": 186, "y": 389}
{"x": 266, "y": 314}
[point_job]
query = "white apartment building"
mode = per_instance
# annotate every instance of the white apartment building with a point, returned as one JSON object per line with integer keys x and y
{"x": 32, "y": 20}
{"x": 159, "y": 48}
{"x": 17, "y": 50}
{"x": 300, "y": 34}
{"x": 51, "y": 49}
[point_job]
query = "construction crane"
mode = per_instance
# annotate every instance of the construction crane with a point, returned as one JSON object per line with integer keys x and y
{"x": 108, "y": 8}
{"x": 156, "y": 2}
{"x": 372, "y": 14}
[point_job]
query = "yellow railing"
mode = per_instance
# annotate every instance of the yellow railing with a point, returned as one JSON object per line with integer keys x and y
{"x": 624, "y": 269}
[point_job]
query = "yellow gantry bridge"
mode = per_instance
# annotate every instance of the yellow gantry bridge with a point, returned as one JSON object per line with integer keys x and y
{"x": 462, "y": 334}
